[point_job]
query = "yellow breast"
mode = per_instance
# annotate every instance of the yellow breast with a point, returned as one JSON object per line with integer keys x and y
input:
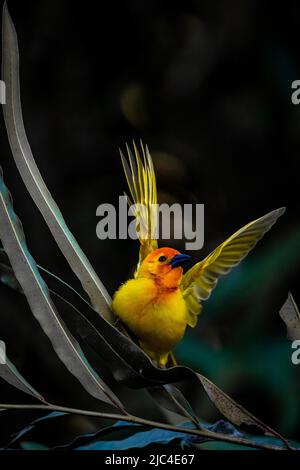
{"x": 157, "y": 317}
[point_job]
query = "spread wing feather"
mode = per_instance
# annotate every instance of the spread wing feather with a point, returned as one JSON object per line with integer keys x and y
{"x": 201, "y": 279}
{"x": 140, "y": 175}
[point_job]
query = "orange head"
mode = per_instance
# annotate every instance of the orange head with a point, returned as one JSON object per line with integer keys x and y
{"x": 164, "y": 266}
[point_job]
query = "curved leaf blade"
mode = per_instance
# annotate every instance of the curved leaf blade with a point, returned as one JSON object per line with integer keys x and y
{"x": 29, "y": 427}
{"x": 125, "y": 435}
{"x": 290, "y": 315}
{"x": 168, "y": 397}
{"x": 172, "y": 399}
{"x": 33, "y": 180}
{"x": 42, "y": 307}
{"x": 132, "y": 367}
{"x": 233, "y": 411}
{"x": 11, "y": 375}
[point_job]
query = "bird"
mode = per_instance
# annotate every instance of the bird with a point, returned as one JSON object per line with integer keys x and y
{"x": 160, "y": 301}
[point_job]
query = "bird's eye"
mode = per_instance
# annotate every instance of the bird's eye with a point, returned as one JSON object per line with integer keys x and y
{"x": 162, "y": 258}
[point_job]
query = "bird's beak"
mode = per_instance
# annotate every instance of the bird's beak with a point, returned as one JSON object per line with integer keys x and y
{"x": 178, "y": 260}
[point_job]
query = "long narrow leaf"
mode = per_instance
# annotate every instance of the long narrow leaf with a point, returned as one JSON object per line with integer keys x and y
{"x": 10, "y": 374}
{"x": 132, "y": 367}
{"x": 166, "y": 396}
{"x": 290, "y": 315}
{"x": 68, "y": 245}
{"x": 172, "y": 399}
{"x": 38, "y": 297}
{"x": 32, "y": 178}
{"x": 29, "y": 427}
{"x": 233, "y": 411}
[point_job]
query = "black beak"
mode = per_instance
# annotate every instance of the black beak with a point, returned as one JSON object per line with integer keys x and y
{"x": 179, "y": 260}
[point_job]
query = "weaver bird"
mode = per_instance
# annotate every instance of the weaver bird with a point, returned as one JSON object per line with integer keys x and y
{"x": 160, "y": 301}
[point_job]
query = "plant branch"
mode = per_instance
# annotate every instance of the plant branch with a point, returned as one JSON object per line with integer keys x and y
{"x": 145, "y": 422}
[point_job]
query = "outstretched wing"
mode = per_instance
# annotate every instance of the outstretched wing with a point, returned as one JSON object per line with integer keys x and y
{"x": 201, "y": 279}
{"x": 141, "y": 181}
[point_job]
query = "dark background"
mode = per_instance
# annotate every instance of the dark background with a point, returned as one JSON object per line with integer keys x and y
{"x": 207, "y": 85}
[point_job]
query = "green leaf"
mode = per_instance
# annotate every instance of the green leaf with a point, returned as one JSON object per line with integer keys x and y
{"x": 233, "y": 411}
{"x": 32, "y": 178}
{"x": 42, "y": 307}
{"x": 168, "y": 397}
{"x": 132, "y": 367}
{"x": 125, "y": 435}
{"x": 290, "y": 315}
{"x": 171, "y": 398}
{"x": 10, "y": 374}
{"x": 18, "y": 435}
{"x": 219, "y": 445}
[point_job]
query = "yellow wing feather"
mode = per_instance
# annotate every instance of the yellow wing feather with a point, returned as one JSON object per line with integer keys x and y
{"x": 201, "y": 279}
{"x": 140, "y": 176}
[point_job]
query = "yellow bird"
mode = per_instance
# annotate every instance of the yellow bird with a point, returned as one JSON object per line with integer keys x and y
{"x": 160, "y": 301}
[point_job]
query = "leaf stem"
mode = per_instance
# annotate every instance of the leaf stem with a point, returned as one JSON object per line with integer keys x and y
{"x": 145, "y": 422}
